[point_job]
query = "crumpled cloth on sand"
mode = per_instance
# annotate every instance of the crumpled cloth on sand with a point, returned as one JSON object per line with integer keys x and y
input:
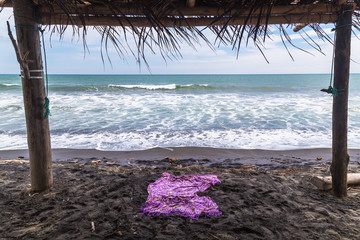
{"x": 173, "y": 195}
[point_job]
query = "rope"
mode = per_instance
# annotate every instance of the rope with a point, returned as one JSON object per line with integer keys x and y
{"x": 28, "y": 26}
{"x": 47, "y": 101}
{"x": 331, "y": 89}
{"x": 332, "y": 63}
{"x": 337, "y": 27}
{"x": 45, "y": 61}
{"x": 341, "y": 16}
{"x": 47, "y": 109}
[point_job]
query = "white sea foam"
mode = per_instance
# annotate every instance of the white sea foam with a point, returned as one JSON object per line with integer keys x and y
{"x": 135, "y": 121}
{"x": 191, "y": 85}
{"x": 237, "y": 139}
{"x": 10, "y": 84}
{"x": 148, "y": 87}
{"x": 9, "y": 142}
{"x": 131, "y": 120}
{"x": 158, "y": 87}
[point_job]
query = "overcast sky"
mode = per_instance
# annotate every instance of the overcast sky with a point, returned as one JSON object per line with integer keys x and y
{"x": 67, "y": 57}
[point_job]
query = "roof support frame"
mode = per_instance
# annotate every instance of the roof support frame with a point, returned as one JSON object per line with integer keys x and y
{"x": 34, "y": 93}
{"x": 340, "y": 156}
{"x": 38, "y": 132}
{"x": 199, "y": 11}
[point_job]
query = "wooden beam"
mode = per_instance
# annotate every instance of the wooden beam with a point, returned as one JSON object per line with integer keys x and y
{"x": 288, "y": 12}
{"x": 340, "y": 155}
{"x": 171, "y": 22}
{"x": 38, "y": 134}
{"x": 199, "y": 10}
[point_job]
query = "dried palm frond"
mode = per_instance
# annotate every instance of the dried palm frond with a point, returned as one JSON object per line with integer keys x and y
{"x": 139, "y": 27}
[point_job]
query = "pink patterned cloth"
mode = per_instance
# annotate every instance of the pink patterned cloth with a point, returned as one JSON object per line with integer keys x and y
{"x": 174, "y": 195}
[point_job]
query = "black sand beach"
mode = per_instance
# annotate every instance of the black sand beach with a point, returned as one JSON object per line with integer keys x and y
{"x": 97, "y": 195}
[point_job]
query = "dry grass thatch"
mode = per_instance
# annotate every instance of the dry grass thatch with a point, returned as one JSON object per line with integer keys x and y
{"x": 162, "y": 25}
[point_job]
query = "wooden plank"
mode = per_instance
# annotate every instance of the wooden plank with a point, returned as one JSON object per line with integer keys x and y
{"x": 34, "y": 95}
{"x": 168, "y": 22}
{"x": 325, "y": 183}
{"x": 340, "y": 157}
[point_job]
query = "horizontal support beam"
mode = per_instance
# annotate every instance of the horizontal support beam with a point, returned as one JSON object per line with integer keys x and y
{"x": 193, "y": 11}
{"x": 201, "y": 10}
{"x": 188, "y": 22}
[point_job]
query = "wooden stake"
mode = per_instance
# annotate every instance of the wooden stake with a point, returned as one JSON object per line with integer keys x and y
{"x": 38, "y": 134}
{"x": 24, "y": 66}
{"x": 340, "y": 155}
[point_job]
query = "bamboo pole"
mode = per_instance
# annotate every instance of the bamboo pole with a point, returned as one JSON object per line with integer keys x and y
{"x": 340, "y": 157}
{"x": 181, "y": 22}
{"x": 38, "y": 134}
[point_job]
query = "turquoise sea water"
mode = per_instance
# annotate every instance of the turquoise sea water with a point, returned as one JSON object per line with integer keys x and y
{"x": 132, "y": 112}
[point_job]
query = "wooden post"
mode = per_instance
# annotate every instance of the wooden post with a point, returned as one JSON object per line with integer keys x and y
{"x": 340, "y": 155}
{"x": 38, "y": 134}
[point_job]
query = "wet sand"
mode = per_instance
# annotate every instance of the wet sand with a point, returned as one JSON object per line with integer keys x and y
{"x": 97, "y": 195}
{"x": 207, "y": 156}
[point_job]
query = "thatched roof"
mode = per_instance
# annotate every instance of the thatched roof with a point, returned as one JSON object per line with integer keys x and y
{"x": 167, "y": 23}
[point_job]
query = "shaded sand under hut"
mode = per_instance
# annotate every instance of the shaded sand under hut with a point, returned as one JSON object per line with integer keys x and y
{"x": 164, "y": 24}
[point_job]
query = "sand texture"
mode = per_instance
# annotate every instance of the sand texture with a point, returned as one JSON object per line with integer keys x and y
{"x": 99, "y": 198}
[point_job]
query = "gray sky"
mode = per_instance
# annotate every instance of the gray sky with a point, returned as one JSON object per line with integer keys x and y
{"x": 67, "y": 57}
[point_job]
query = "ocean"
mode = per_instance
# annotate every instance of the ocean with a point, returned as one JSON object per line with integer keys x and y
{"x": 136, "y": 112}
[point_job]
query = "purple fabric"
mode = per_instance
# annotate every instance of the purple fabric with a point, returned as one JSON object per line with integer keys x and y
{"x": 174, "y": 195}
